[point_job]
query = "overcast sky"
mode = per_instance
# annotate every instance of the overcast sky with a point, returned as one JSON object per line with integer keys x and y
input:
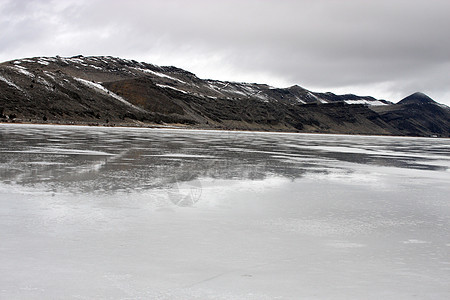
{"x": 384, "y": 48}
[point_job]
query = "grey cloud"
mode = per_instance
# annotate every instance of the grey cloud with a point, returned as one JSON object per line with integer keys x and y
{"x": 324, "y": 44}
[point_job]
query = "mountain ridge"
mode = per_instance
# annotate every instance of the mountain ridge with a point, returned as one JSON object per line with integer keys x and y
{"x": 107, "y": 90}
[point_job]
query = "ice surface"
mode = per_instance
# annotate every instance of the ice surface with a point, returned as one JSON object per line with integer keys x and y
{"x": 133, "y": 213}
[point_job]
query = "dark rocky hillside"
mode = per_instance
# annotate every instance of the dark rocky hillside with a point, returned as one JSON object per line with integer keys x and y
{"x": 113, "y": 91}
{"x": 417, "y": 115}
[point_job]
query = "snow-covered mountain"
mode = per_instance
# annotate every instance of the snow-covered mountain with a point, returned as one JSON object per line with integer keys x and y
{"x": 109, "y": 90}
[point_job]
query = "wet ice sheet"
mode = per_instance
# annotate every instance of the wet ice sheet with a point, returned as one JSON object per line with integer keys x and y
{"x": 123, "y": 213}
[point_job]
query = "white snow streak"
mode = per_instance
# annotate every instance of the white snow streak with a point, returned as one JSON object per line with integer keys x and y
{"x": 9, "y": 82}
{"x": 95, "y": 67}
{"x": 49, "y": 74}
{"x": 300, "y": 100}
{"x": 171, "y": 87}
{"x": 107, "y": 92}
{"x": 366, "y": 102}
{"x": 22, "y": 70}
{"x": 160, "y": 75}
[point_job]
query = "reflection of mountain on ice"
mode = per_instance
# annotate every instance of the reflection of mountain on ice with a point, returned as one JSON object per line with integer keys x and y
{"x": 176, "y": 214}
{"x": 127, "y": 159}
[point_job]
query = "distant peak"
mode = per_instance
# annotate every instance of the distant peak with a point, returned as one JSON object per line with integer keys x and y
{"x": 420, "y": 95}
{"x": 417, "y": 98}
{"x": 296, "y": 87}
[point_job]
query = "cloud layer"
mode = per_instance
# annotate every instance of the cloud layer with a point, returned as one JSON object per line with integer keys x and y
{"x": 385, "y": 48}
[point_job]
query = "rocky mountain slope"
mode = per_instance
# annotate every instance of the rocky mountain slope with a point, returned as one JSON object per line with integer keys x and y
{"x": 114, "y": 91}
{"x": 417, "y": 115}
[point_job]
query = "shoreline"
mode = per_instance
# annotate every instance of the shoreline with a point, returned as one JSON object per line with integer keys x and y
{"x": 188, "y": 127}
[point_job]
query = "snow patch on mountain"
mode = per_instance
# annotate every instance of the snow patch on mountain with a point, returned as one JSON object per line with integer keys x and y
{"x": 159, "y": 74}
{"x": 365, "y": 102}
{"x": 171, "y": 87}
{"x": 312, "y": 96}
{"x": 49, "y": 59}
{"x": 45, "y": 83}
{"x": 261, "y": 95}
{"x": 214, "y": 87}
{"x": 43, "y": 62}
{"x": 100, "y": 88}
{"x": 300, "y": 100}
{"x": 22, "y": 70}
{"x": 50, "y": 75}
{"x": 10, "y": 83}
{"x": 95, "y": 67}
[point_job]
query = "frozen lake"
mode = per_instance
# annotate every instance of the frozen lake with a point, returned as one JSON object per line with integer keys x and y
{"x": 130, "y": 213}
